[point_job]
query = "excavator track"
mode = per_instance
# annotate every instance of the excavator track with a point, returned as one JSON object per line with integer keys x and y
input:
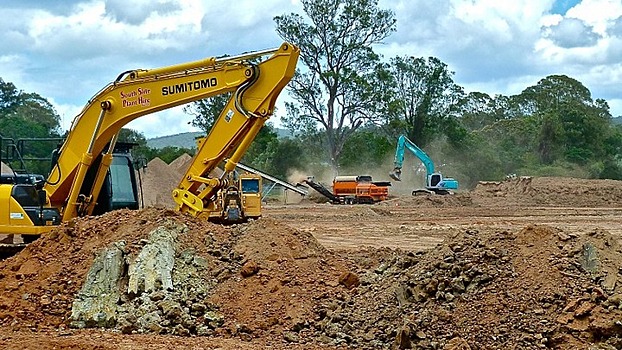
{"x": 8, "y": 250}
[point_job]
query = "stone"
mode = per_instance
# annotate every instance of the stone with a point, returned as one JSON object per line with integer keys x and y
{"x": 96, "y": 303}
{"x": 291, "y": 337}
{"x": 152, "y": 269}
{"x": 349, "y": 280}
{"x": 249, "y": 269}
{"x": 402, "y": 339}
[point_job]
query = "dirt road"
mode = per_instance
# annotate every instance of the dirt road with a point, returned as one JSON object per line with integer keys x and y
{"x": 397, "y": 225}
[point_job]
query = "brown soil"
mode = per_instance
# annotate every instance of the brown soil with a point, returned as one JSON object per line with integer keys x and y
{"x": 521, "y": 264}
{"x": 5, "y": 169}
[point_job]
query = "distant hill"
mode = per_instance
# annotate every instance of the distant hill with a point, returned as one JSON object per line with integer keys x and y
{"x": 616, "y": 120}
{"x": 188, "y": 139}
{"x": 183, "y": 140}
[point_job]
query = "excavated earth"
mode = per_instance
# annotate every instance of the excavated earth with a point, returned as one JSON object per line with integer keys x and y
{"x": 526, "y": 263}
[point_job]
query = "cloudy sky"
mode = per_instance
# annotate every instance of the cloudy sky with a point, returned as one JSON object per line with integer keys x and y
{"x": 67, "y": 50}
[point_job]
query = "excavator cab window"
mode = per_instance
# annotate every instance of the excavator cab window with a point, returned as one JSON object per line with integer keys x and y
{"x": 123, "y": 183}
{"x": 435, "y": 179}
{"x": 250, "y": 186}
{"x": 25, "y": 195}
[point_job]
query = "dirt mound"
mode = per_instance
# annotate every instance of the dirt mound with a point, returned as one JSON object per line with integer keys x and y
{"x": 550, "y": 191}
{"x": 158, "y": 181}
{"x": 539, "y": 287}
{"x": 5, "y": 169}
{"x": 181, "y": 163}
{"x": 257, "y": 279}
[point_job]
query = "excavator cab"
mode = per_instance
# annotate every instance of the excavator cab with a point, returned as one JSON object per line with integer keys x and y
{"x": 435, "y": 179}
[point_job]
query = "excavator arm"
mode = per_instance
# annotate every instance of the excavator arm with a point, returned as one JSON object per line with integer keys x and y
{"x": 254, "y": 87}
{"x": 404, "y": 143}
{"x": 232, "y": 134}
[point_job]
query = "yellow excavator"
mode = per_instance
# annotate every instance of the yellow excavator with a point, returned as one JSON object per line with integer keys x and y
{"x": 73, "y": 186}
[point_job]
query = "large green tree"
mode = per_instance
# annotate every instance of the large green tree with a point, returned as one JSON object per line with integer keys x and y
{"x": 551, "y": 128}
{"x": 335, "y": 88}
{"x": 479, "y": 110}
{"x": 572, "y": 125}
{"x": 424, "y": 98}
{"x": 26, "y": 114}
{"x": 365, "y": 151}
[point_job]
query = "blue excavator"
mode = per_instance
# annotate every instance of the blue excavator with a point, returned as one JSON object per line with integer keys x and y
{"x": 435, "y": 183}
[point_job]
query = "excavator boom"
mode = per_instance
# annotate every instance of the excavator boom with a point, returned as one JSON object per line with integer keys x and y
{"x": 404, "y": 143}
{"x": 233, "y": 131}
{"x": 85, "y": 157}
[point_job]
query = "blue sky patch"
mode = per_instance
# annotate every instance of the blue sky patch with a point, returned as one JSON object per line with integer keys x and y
{"x": 560, "y": 7}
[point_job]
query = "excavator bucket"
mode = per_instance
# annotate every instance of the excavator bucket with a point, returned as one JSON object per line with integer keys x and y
{"x": 395, "y": 174}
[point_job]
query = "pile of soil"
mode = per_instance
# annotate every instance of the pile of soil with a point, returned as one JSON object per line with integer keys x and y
{"x": 5, "y": 169}
{"x": 158, "y": 180}
{"x": 550, "y": 191}
{"x": 536, "y": 288}
{"x": 539, "y": 287}
{"x": 524, "y": 191}
{"x": 260, "y": 279}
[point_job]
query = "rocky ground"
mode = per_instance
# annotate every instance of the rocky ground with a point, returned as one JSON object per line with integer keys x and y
{"x": 527, "y": 263}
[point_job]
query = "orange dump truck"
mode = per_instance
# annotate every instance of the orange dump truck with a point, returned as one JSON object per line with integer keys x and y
{"x": 359, "y": 189}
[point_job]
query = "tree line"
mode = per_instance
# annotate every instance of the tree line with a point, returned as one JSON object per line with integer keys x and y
{"x": 347, "y": 106}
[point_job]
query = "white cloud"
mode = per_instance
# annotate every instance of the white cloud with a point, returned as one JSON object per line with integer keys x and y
{"x": 139, "y": 10}
{"x": 67, "y": 50}
{"x": 571, "y": 32}
{"x": 480, "y": 40}
{"x": 597, "y": 13}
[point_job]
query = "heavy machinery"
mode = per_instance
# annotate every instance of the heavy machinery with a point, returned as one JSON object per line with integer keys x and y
{"x": 435, "y": 183}
{"x": 120, "y": 186}
{"x": 298, "y": 188}
{"x": 239, "y": 201}
{"x": 74, "y": 184}
{"x": 353, "y": 189}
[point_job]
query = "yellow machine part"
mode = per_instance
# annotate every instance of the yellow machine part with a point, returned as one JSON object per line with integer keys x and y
{"x": 13, "y": 218}
{"x": 85, "y": 157}
{"x": 251, "y": 198}
{"x": 249, "y": 189}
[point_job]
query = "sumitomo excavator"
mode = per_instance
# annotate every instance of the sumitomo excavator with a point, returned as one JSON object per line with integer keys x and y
{"x": 73, "y": 186}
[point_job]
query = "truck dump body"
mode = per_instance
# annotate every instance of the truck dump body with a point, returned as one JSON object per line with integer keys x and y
{"x": 353, "y": 190}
